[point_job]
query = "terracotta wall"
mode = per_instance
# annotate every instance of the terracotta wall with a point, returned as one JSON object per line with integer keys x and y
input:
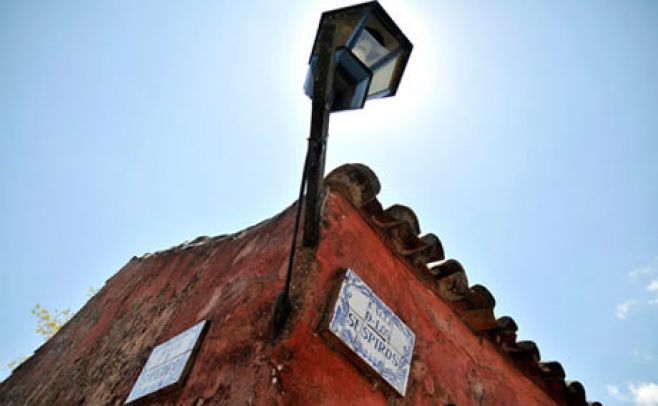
{"x": 230, "y": 280}
{"x": 451, "y": 364}
{"x": 233, "y": 281}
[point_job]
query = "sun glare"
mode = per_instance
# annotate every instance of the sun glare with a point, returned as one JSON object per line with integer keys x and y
{"x": 422, "y": 90}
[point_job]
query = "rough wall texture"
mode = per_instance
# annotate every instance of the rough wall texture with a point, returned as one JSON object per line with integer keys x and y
{"x": 230, "y": 280}
{"x": 451, "y": 365}
{"x": 463, "y": 355}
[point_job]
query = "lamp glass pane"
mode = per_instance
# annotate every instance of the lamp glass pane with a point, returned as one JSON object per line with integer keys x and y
{"x": 383, "y": 34}
{"x": 368, "y": 48}
{"x": 351, "y": 82}
{"x": 382, "y": 77}
{"x": 345, "y": 26}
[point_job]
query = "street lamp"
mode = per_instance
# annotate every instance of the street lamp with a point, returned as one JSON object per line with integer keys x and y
{"x": 359, "y": 54}
{"x": 370, "y": 55}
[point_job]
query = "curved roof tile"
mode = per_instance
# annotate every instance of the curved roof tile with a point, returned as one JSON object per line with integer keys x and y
{"x": 400, "y": 227}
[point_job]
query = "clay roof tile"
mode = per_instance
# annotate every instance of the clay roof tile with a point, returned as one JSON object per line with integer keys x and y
{"x": 399, "y": 226}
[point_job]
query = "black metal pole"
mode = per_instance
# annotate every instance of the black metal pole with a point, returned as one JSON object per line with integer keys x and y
{"x": 322, "y": 99}
{"x": 282, "y": 308}
{"x": 313, "y": 172}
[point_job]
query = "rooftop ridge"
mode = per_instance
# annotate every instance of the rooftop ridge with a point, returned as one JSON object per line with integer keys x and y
{"x": 204, "y": 240}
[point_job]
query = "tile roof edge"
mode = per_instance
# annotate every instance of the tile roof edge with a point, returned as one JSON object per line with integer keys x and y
{"x": 399, "y": 225}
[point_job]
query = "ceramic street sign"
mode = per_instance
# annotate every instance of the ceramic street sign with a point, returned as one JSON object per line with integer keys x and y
{"x": 166, "y": 363}
{"x": 372, "y": 331}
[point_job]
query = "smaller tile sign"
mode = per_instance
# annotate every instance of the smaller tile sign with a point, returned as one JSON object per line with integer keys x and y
{"x": 372, "y": 331}
{"x": 167, "y": 362}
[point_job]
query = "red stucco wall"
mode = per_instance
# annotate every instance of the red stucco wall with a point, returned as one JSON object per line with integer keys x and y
{"x": 233, "y": 281}
{"x": 450, "y": 364}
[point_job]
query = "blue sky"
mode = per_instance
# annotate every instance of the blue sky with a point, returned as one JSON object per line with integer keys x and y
{"x": 524, "y": 134}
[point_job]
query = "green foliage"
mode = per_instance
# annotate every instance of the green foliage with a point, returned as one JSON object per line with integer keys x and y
{"x": 13, "y": 364}
{"x": 49, "y": 323}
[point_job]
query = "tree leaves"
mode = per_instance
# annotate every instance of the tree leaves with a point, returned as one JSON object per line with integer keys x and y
{"x": 49, "y": 323}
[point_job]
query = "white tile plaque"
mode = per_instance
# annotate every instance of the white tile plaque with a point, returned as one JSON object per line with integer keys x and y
{"x": 373, "y": 332}
{"x": 166, "y": 363}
